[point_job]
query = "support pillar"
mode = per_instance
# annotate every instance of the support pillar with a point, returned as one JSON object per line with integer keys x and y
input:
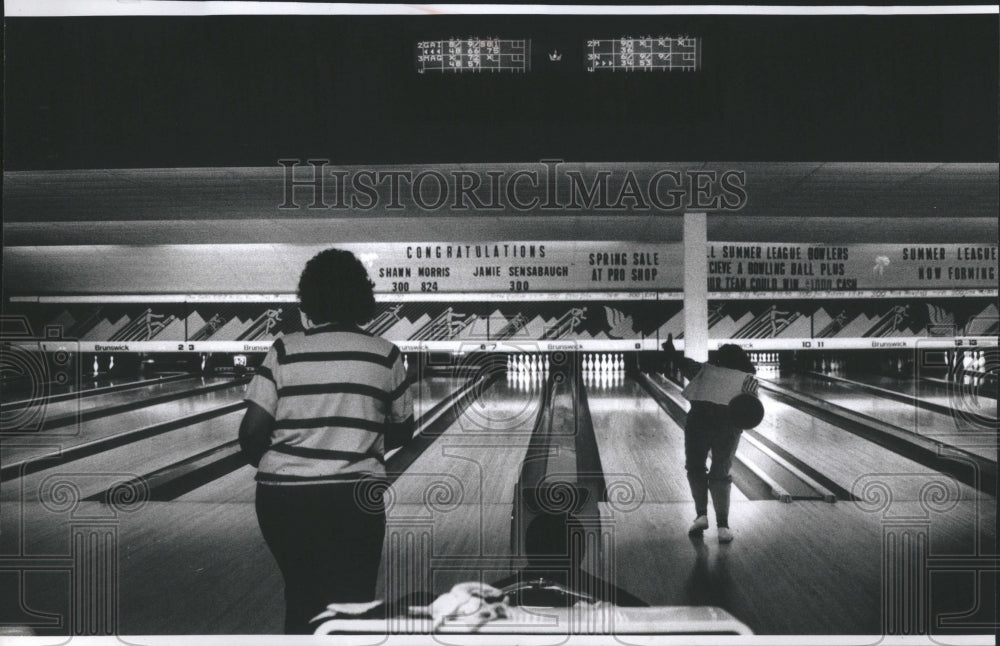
{"x": 696, "y": 286}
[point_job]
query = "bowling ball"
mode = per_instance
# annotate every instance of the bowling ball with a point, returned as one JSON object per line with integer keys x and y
{"x": 745, "y": 411}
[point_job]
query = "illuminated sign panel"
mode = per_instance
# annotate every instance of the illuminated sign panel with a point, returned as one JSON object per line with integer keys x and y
{"x": 473, "y": 55}
{"x": 645, "y": 53}
{"x": 780, "y": 267}
{"x": 512, "y": 266}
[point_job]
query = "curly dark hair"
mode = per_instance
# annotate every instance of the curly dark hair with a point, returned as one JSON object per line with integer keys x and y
{"x": 335, "y": 288}
{"x": 732, "y": 356}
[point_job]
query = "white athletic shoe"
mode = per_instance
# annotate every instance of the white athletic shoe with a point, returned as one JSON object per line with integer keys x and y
{"x": 725, "y": 536}
{"x": 700, "y": 524}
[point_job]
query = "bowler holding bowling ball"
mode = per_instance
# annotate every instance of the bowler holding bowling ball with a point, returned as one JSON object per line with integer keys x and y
{"x": 723, "y": 396}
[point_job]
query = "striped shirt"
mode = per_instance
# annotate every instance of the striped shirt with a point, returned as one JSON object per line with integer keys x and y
{"x": 333, "y": 392}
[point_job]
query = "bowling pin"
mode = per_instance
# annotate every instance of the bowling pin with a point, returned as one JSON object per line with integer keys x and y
{"x": 95, "y": 365}
{"x": 111, "y": 363}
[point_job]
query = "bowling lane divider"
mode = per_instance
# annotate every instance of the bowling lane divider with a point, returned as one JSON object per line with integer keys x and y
{"x": 887, "y": 394}
{"x": 94, "y": 392}
{"x": 966, "y": 467}
{"x": 87, "y": 449}
{"x": 107, "y": 411}
{"x": 175, "y": 480}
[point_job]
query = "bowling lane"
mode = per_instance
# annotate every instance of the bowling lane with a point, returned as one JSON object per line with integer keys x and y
{"x": 450, "y": 512}
{"x": 932, "y": 392}
{"x": 480, "y": 455}
{"x": 13, "y": 395}
{"x": 131, "y": 396}
{"x": 54, "y": 440}
{"x": 848, "y": 460}
{"x": 239, "y": 485}
{"x": 636, "y": 439}
{"x": 954, "y": 430}
{"x": 96, "y": 473}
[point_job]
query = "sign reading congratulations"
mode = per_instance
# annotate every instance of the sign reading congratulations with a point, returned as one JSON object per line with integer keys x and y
{"x": 523, "y": 266}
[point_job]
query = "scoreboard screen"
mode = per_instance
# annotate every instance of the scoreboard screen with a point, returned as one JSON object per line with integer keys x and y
{"x": 645, "y": 53}
{"x": 473, "y": 55}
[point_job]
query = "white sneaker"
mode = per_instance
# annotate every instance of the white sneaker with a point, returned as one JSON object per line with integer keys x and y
{"x": 700, "y": 524}
{"x": 725, "y": 536}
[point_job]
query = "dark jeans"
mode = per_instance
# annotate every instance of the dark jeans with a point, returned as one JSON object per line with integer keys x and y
{"x": 327, "y": 547}
{"x": 709, "y": 429}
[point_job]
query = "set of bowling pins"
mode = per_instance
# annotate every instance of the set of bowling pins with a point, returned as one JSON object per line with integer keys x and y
{"x": 527, "y": 364}
{"x": 111, "y": 364}
{"x": 527, "y": 372}
{"x": 828, "y": 365}
{"x": 768, "y": 364}
{"x": 603, "y": 363}
{"x": 602, "y": 380}
{"x": 974, "y": 360}
{"x": 973, "y": 366}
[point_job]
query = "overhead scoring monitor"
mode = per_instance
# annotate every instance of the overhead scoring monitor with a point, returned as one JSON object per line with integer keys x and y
{"x": 644, "y": 53}
{"x": 473, "y": 55}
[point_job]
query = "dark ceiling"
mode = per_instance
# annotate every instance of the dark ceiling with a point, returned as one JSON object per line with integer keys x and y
{"x": 163, "y": 92}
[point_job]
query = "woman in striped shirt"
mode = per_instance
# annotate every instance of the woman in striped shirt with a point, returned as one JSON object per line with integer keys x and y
{"x": 322, "y": 410}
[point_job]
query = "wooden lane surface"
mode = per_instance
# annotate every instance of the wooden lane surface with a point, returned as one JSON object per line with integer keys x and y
{"x": 132, "y": 395}
{"x": 478, "y": 458}
{"x": 95, "y": 473}
{"x": 52, "y": 441}
{"x": 639, "y": 443}
{"x": 958, "y": 430}
{"x": 930, "y": 391}
{"x": 430, "y": 548}
{"x": 806, "y": 567}
{"x": 449, "y": 514}
{"x": 847, "y": 459}
{"x": 15, "y": 397}
{"x": 182, "y": 568}
{"x": 800, "y": 568}
{"x": 239, "y": 486}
